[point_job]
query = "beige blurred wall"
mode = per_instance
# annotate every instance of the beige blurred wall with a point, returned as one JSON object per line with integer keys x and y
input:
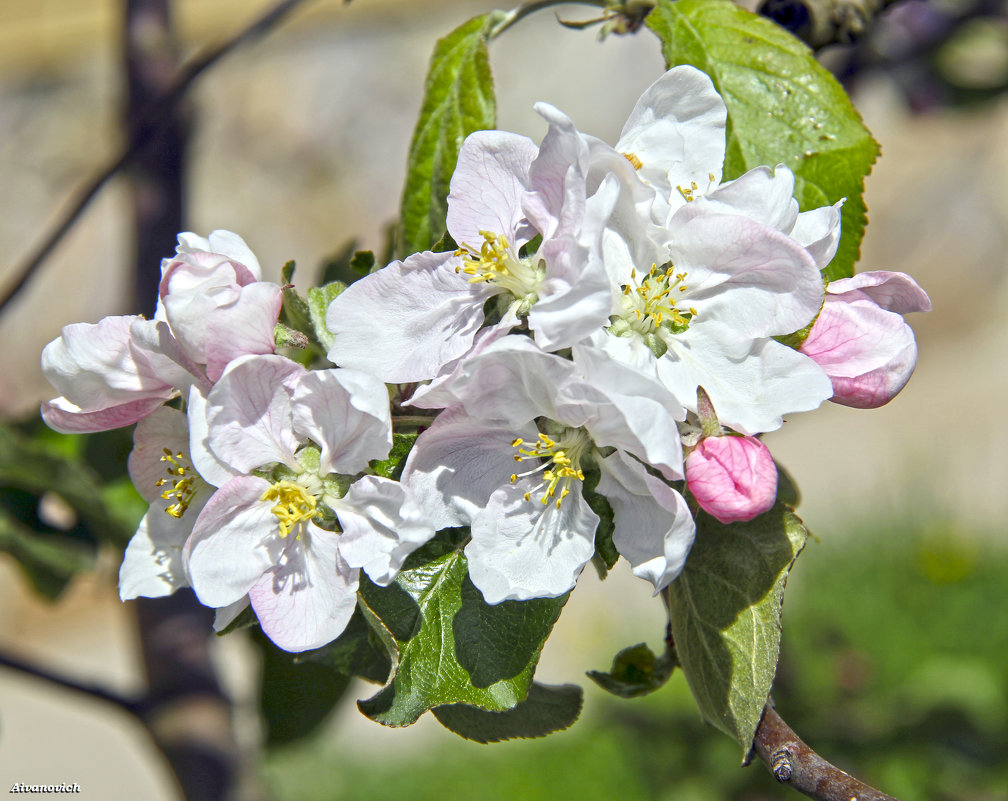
{"x": 300, "y": 144}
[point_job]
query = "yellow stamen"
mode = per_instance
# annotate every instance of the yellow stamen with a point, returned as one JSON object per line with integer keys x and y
{"x": 637, "y": 163}
{"x": 294, "y": 504}
{"x": 182, "y": 480}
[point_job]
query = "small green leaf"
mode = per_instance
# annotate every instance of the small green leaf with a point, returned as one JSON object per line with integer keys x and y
{"x": 606, "y": 555}
{"x": 392, "y": 467}
{"x": 724, "y": 610}
{"x": 635, "y": 671}
{"x": 363, "y": 262}
{"x": 319, "y": 299}
{"x": 287, "y": 272}
{"x": 454, "y": 648}
{"x": 294, "y": 313}
{"x": 545, "y": 710}
{"x": 458, "y": 99}
{"x": 783, "y": 107}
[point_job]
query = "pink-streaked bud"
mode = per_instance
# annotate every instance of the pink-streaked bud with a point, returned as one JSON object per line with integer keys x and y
{"x": 732, "y": 478}
{"x": 861, "y": 339}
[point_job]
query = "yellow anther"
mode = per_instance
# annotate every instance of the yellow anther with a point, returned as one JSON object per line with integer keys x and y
{"x": 294, "y": 504}
{"x": 516, "y": 442}
{"x": 637, "y": 163}
{"x": 182, "y": 483}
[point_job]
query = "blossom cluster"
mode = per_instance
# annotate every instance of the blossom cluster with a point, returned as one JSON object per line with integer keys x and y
{"x": 614, "y": 322}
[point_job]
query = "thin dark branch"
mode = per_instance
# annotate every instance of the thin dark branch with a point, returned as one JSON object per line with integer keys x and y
{"x": 133, "y": 706}
{"x": 148, "y": 124}
{"x": 793, "y": 763}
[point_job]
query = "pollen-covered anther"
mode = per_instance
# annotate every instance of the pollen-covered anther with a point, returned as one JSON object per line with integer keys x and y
{"x": 634, "y": 160}
{"x": 182, "y": 480}
{"x": 294, "y": 504}
{"x": 562, "y": 464}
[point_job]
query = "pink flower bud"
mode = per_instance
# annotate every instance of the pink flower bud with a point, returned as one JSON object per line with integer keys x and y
{"x": 861, "y": 339}
{"x": 732, "y": 478}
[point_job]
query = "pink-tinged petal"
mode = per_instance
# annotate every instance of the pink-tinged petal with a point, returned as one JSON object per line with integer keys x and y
{"x": 249, "y": 413}
{"x": 526, "y": 549}
{"x": 63, "y": 416}
{"x": 95, "y": 367}
{"x": 745, "y": 274}
{"x": 404, "y": 322}
{"x": 850, "y": 338}
{"x": 160, "y": 358}
{"x": 458, "y": 462}
{"x": 347, "y": 413}
{"x": 677, "y": 131}
{"x": 243, "y": 327}
{"x": 818, "y": 231}
{"x": 194, "y": 249}
{"x": 152, "y": 565}
{"x": 732, "y": 478}
{"x": 233, "y": 246}
{"x": 761, "y": 194}
{"x": 555, "y": 204}
{"x": 165, "y": 429}
{"x": 382, "y": 525}
{"x": 307, "y": 600}
{"x": 234, "y": 541}
{"x": 894, "y": 292}
{"x": 878, "y": 387}
{"x": 654, "y": 529}
{"x": 487, "y": 187}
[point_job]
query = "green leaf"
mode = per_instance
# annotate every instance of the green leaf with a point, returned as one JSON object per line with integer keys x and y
{"x": 635, "y": 671}
{"x": 546, "y": 709}
{"x": 724, "y": 610}
{"x": 296, "y": 695}
{"x": 783, "y": 107}
{"x": 606, "y": 555}
{"x": 392, "y": 467}
{"x": 458, "y": 99}
{"x": 319, "y": 299}
{"x": 294, "y": 313}
{"x": 454, "y": 648}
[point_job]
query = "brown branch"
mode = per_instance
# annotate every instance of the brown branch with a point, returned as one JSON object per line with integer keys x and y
{"x": 147, "y": 125}
{"x": 793, "y": 763}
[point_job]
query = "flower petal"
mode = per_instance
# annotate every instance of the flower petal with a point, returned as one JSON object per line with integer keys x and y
{"x": 152, "y": 565}
{"x": 526, "y": 549}
{"x": 654, "y": 529}
{"x": 732, "y": 478}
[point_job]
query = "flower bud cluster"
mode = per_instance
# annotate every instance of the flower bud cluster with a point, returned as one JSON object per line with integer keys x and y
{"x": 611, "y": 321}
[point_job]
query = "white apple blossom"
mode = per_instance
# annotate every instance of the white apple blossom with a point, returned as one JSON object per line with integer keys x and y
{"x": 532, "y": 528}
{"x": 409, "y": 320}
{"x": 212, "y": 307}
{"x": 292, "y": 520}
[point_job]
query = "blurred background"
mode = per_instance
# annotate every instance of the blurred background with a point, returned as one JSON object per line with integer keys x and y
{"x": 895, "y": 648}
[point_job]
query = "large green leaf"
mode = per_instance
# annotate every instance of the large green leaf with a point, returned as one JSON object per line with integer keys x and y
{"x": 783, "y": 107}
{"x": 546, "y": 709}
{"x": 454, "y": 648}
{"x": 636, "y": 671}
{"x": 725, "y": 610}
{"x": 458, "y": 99}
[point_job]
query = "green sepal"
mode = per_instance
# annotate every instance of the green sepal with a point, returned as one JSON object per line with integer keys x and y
{"x": 606, "y": 555}
{"x": 636, "y": 671}
{"x": 363, "y": 262}
{"x": 453, "y": 647}
{"x": 445, "y": 244}
{"x": 286, "y": 337}
{"x": 783, "y": 108}
{"x": 724, "y": 615}
{"x": 546, "y": 709}
{"x": 319, "y": 299}
{"x": 243, "y": 620}
{"x": 392, "y": 467}
{"x": 294, "y": 313}
{"x": 458, "y": 99}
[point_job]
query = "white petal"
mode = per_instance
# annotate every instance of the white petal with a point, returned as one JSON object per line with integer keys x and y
{"x": 762, "y": 194}
{"x": 212, "y": 469}
{"x": 243, "y": 327}
{"x": 458, "y": 462}
{"x": 234, "y": 247}
{"x": 234, "y": 541}
{"x": 152, "y": 565}
{"x": 346, "y": 412}
{"x": 382, "y": 525}
{"x": 526, "y": 549}
{"x": 654, "y": 529}
{"x": 249, "y": 413}
{"x": 404, "y": 322}
{"x": 487, "y": 185}
{"x": 308, "y": 599}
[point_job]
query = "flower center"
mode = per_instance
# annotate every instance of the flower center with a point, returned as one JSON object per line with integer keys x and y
{"x": 496, "y": 263}
{"x": 561, "y": 462}
{"x": 689, "y": 193}
{"x": 649, "y": 308}
{"x": 182, "y": 479}
{"x": 294, "y": 504}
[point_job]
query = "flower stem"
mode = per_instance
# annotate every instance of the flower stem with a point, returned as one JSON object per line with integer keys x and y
{"x": 509, "y": 18}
